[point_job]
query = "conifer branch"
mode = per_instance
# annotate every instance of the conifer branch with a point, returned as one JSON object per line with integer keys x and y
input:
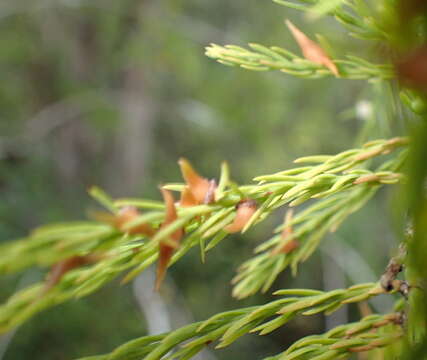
{"x": 309, "y": 226}
{"x": 116, "y": 247}
{"x": 262, "y": 58}
{"x": 132, "y": 234}
{"x": 372, "y": 332}
{"x": 355, "y": 16}
{"x": 227, "y": 327}
{"x": 312, "y": 224}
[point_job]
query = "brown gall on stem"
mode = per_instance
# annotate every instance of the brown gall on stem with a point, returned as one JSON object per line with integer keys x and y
{"x": 388, "y": 279}
{"x": 200, "y": 188}
{"x": 168, "y": 246}
{"x": 401, "y": 286}
{"x": 286, "y": 246}
{"x": 244, "y": 211}
{"x": 311, "y": 50}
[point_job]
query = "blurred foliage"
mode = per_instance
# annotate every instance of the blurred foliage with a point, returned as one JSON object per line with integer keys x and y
{"x": 76, "y": 73}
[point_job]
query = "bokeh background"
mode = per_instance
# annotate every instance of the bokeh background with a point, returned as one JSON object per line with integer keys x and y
{"x": 112, "y": 93}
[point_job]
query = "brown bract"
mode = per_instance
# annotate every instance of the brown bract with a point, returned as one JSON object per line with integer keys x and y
{"x": 287, "y": 245}
{"x": 61, "y": 268}
{"x": 168, "y": 246}
{"x": 311, "y": 50}
{"x": 130, "y": 213}
{"x": 187, "y": 198}
{"x": 122, "y": 218}
{"x": 199, "y": 190}
{"x": 245, "y": 209}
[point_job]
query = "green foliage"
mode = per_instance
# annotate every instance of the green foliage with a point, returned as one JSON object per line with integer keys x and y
{"x": 204, "y": 224}
{"x": 360, "y": 18}
{"x": 329, "y": 188}
{"x": 262, "y": 58}
{"x": 227, "y": 327}
{"x": 343, "y": 340}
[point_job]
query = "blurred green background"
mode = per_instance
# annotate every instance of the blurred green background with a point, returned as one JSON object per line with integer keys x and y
{"x": 112, "y": 93}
